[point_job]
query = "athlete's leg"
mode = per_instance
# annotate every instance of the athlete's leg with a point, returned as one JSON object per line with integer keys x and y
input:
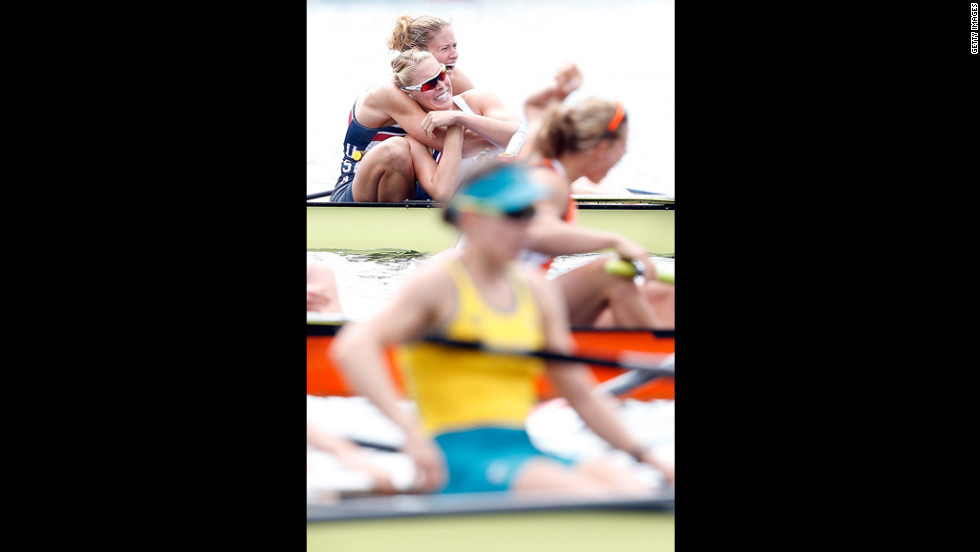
{"x": 544, "y": 474}
{"x": 619, "y": 480}
{"x": 386, "y": 173}
{"x": 589, "y": 289}
{"x": 660, "y": 297}
{"x": 596, "y": 478}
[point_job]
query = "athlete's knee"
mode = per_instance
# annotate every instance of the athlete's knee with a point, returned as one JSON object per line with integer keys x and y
{"x": 397, "y": 154}
{"x": 542, "y": 474}
{"x": 620, "y": 288}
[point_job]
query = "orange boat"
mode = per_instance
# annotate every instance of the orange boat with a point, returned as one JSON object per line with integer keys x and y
{"x": 323, "y": 378}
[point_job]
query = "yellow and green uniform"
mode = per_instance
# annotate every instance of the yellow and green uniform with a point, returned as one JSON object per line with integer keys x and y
{"x": 475, "y": 403}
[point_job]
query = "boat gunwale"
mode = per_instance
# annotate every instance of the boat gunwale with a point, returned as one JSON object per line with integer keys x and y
{"x": 409, "y": 505}
{"x": 433, "y": 205}
{"x": 316, "y": 328}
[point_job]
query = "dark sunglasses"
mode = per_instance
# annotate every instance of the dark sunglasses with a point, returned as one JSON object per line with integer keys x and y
{"x": 524, "y": 214}
{"x": 429, "y": 84}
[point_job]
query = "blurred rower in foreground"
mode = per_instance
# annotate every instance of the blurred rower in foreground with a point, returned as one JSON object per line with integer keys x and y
{"x": 470, "y": 433}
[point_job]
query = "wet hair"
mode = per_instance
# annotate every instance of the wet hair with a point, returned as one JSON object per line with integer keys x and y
{"x": 579, "y": 127}
{"x": 404, "y": 64}
{"x": 414, "y": 33}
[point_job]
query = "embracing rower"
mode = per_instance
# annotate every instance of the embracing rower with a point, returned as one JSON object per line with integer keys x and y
{"x": 378, "y": 162}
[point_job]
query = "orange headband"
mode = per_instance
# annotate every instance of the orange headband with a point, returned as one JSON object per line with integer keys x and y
{"x": 617, "y": 118}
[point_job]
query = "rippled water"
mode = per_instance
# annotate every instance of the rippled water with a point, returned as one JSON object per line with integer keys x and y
{"x": 366, "y": 280}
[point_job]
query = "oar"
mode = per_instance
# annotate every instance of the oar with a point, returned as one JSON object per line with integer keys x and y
{"x": 642, "y": 192}
{"x": 319, "y": 194}
{"x": 629, "y": 381}
{"x": 666, "y": 368}
{"x": 619, "y": 385}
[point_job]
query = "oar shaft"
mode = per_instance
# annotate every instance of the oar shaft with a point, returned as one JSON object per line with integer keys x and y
{"x": 548, "y": 355}
{"x": 319, "y": 194}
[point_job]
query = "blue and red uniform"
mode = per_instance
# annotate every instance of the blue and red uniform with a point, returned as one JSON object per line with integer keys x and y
{"x": 358, "y": 141}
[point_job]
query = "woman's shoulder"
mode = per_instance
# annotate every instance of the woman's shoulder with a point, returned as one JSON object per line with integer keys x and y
{"x": 479, "y": 97}
{"x": 380, "y": 95}
{"x": 379, "y": 104}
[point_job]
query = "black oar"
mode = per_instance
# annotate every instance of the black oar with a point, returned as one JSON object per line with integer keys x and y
{"x": 664, "y": 369}
{"x": 620, "y": 385}
{"x": 319, "y": 194}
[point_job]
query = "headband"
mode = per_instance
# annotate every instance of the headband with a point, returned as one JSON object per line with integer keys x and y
{"x": 617, "y": 118}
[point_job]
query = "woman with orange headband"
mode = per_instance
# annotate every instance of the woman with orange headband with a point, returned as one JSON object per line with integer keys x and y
{"x": 587, "y": 139}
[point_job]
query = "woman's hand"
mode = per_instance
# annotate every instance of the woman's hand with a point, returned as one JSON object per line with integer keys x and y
{"x": 630, "y": 250}
{"x": 648, "y": 457}
{"x": 568, "y": 79}
{"x": 429, "y": 461}
{"x": 436, "y": 119}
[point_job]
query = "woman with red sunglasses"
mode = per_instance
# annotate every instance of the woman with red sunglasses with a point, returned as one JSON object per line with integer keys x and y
{"x": 474, "y": 110}
{"x": 586, "y": 140}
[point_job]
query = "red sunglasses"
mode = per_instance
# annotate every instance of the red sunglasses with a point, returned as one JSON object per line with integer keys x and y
{"x": 429, "y": 84}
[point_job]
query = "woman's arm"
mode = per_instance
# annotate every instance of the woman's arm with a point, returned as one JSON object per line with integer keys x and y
{"x": 350, "y": 455}
{"x": 387, "y": 103}
{"x": 574, "y": 381}
{"x": 439, "y": 179}
{"x": 490, "y": 119}
{"x": 359, "y": 349}
{"x": 550, "y": 234}
{"x": 461, "y": 82}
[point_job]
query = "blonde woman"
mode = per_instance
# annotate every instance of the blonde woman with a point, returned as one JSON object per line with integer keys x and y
{"x": 587, "y": 139}
{"x": 469, "y": 433}
{"x": 435, "y": 36}
{"x": 377, "y": 163}
{"x": 419, "y": 74}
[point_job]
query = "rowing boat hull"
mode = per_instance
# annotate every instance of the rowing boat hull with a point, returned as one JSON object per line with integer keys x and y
{"x": 324, "y": 378}
{"x": 490, "y": 522}
{"x": 418, "y": 226}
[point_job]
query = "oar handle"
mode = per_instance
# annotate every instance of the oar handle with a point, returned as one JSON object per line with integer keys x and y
{"x": 666, "y": 369}
{"x": 630, "y": 268}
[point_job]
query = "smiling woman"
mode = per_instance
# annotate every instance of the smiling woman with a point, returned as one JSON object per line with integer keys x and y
{"x": 389, "y": 163}
{"x": 475, "y": 110}
{"x": 383, "y": 115}
{"x": 435, "y": 36}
